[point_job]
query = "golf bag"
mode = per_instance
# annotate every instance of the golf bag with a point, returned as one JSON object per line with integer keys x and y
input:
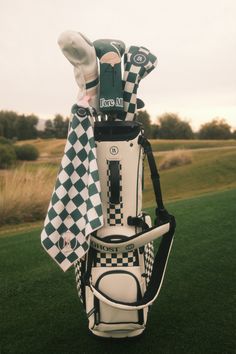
{"x": 119, "y": 278}
{"x": 95, "y": 219}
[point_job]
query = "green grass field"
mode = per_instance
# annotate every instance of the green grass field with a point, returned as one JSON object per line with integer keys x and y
{"x": 40, "y": 311}
{"x": 209, "y": 171}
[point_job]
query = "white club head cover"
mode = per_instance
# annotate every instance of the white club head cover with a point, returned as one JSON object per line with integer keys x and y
{"x": 81, "y": 54}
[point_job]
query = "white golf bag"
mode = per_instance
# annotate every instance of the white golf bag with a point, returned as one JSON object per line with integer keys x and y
{"x": 119, "y": 278}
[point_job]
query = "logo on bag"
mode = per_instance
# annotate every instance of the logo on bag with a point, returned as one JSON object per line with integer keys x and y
{"x": 130, "y": 247}
{"x": 67, "y": 242}
{"x": 117, "y": 102}
{"x": 139, "y": 59}
{"x": 106, "y": 103}
{"x": 100, "y": 247}
{"x": 114, "y": 150}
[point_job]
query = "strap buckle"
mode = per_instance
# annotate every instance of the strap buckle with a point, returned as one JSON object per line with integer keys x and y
{"x": 162, "y": 216}
{"x": 143, "y": 141}
{"x": 138, "y": 222}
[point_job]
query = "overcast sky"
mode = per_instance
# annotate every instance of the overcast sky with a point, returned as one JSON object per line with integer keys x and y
{"x": 195, "y": 42}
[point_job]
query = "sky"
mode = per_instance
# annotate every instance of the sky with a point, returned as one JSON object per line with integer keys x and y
{"x": 194, "y": 41}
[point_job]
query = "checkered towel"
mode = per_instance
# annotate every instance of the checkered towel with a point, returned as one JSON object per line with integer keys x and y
{"x": 138, "y": 63}
{"x": 75, "y": 209}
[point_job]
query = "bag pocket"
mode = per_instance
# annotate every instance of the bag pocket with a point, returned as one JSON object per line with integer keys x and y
{"x": 119, "y": 285}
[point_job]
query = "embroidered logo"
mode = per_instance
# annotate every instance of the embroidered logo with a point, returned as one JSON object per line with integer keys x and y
{"x": 114, "y": 150}
{"x": 139, "y": 59}
{"x": 67, "y": 242}
{"x": 129, "y": 247}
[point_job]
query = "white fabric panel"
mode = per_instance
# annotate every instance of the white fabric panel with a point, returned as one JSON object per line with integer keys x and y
{"x": 130, "y": 155}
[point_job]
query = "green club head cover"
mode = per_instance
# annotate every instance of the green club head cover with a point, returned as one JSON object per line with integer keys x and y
{"x": 109, "y": 53}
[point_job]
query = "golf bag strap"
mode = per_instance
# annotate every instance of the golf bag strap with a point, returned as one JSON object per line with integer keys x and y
{"x": 132, "y": 242}
{"x": 162, "y": 214}
{"x": 156, "y": 279}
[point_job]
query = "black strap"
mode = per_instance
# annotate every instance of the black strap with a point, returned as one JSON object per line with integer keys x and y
{"x": 158, "y": 272}
{"x": 160, "y": 263}
{"x": 162, "y": 215}
{"x": 161, "y": 258}
{"x": 90, "y": 260}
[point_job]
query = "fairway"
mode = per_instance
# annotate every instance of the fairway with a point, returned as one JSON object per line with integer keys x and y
{"x": 40, "y": 311}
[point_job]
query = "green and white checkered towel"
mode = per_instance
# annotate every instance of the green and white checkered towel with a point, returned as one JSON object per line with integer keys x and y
{"x": 75, "y": 209}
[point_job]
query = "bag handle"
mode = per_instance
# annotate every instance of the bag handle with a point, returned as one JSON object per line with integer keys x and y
{"x": 132, "y": 242}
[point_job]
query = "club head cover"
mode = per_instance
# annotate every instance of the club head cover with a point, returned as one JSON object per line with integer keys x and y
{"x": 138, "y": 63}
{"x": 140, "y": 103}
{"x": 80, "y": 52}
{"x": 109, "y": 53}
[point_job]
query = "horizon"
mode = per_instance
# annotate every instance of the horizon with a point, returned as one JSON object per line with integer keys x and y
{"x": 153, "y": 120}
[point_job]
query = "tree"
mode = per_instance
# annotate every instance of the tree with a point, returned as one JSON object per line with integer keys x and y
{"x": 26, "y": 152}
{"x": 58, "y": 125}
{"x": 13, "y": 125}
{"x": 5, "y": 141}
{"x": 7, "y": 122}
{"x": 21, "y": 128}
{"x": 216, "y": 129}
{"x": 144, "y": 118}
{"x": 32, "y": 123}
{"x": 172, "y": 127}
{"x": 155, "y": 131}
{"x": 49, "y": 131}
{"x": 7, "y": 155}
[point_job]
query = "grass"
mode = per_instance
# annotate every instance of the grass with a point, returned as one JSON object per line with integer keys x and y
{"x": 47, "y": 147}
{"x": 40, "y": 312}
{"x": 209, "y": 171}
{"x": 24, "y": 193}
{"x": 176, "y": 158}
{"x": 165, "y": 145}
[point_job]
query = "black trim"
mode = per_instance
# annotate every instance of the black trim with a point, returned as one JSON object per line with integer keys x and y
{"x": 116, "y": 131}
{"x": 90, "y": 261}
{"x": 82, "y": 283}
{"x": 137, "y": 186}
{"x": 92, "y": 84}
{"x": 114, "y": 176}
{"x": 114, "y": 238}
{"x": 115, "y": 323}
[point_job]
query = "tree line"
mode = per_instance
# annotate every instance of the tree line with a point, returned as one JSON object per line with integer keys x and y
{"x": 16, "y": 126}
{"x": 171, "y": 126}
{"x": 168, "y": 126}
